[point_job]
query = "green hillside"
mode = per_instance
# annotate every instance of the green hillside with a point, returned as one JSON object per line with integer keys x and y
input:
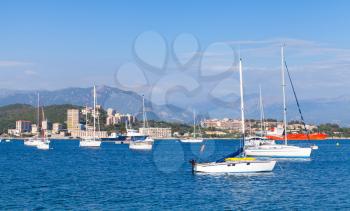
{"x": 9, "y": 114}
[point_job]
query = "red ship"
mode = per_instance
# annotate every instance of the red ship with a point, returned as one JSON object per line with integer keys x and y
{"x": 299, "y": 136}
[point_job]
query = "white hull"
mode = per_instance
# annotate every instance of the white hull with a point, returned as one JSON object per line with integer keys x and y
{"x": 191, "y": 140}
{"x": 32, "y": 142}
{"x": 43, "y": 146}
{"x": 235, "y": 167}
{"x": 141, "y": 145}
{"x": 314, "y": 147}
{"x": 278, "y": 151}
{"x": 90, "y": 143}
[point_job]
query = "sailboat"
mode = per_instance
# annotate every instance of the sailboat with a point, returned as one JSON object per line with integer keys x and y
{"x": 44, "y": 143}
{"x": 35, "y": 141}
{"x": 280, "y": 150}
{"x": 194, "y": 139}
{"x": 91, "y": 141}
{"x": 145, "y": 143}
{"x": 259, "y": 140}
{"x": 233, "y": 163}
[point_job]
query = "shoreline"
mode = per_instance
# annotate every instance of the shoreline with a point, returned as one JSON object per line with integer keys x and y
{"x": 171, "y": 138}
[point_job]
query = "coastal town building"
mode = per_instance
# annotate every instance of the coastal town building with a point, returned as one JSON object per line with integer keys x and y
{"x": 13, "y": 132}
{"x": 57, "y": 128}
{"x": 116, "y": 118}
{"x": 110, "y": 112}
{"x": 23, "y": 126}
{"x": 224, "y": 124}
{"x": 73, "y": 119}
{"x": 46, "y": 125}
{"x": 215, "y": 133}
{"x": 156, "y": 132}
{"x": 34, "y": 129}
{"x": 86, "y": 134}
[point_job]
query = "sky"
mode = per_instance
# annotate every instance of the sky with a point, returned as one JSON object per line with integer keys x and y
{"x": 178, "y": 48}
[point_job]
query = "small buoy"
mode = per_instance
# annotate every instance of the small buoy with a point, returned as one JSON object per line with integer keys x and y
{"x": 337, "y": 144}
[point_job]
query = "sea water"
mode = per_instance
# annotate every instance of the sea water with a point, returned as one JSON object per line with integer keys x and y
{"x": 113, "y": 177}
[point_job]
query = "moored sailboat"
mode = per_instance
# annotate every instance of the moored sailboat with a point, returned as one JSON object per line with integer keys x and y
{"x": 36, "y": 141}
{"x": 232, "y": 163}
{"x": 91, "y": 141}
{"x": 144, "y": 143}
{"x": 194, "y": 139}
{"x": 44, "y": 143}
{"x": 280, "y": 150}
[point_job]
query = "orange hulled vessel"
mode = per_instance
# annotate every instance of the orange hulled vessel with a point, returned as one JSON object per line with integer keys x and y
{"x": 277, "y": 133}
{"x": 300, "y": 136}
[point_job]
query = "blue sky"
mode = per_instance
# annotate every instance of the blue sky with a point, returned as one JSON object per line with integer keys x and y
{"x": 63, "y": 43}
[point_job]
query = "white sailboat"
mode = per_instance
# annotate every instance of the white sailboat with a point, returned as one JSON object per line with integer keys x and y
{"x": 194, "y": 139}
{"x": 280, "y": 150}
{"x": 35, "y": 141}
{"x": 91, "y": 141}
{"x": 44, "y": 143}
{"x": 231, "y": 163}
{"x": 145, "y": 143}
{"x": 32, "y": 142}
{"x": 253, "y": 141}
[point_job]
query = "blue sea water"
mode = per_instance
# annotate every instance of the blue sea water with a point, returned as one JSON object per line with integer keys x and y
{"x": 114, "y": 178}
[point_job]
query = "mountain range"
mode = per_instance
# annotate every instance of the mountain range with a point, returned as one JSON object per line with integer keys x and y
{"x": 335, "y": 110}
{"x": 109, "y": 97}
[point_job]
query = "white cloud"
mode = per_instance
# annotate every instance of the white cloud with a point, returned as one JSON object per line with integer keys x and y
{"x": 9, "y": 63}
{"x": 30, "y": 72}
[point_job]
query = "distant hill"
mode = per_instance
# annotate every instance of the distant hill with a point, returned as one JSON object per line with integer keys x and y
{"x": 10, "y": 113}
{"x": 108, "y": 97}
{"x": 335, "y": 110}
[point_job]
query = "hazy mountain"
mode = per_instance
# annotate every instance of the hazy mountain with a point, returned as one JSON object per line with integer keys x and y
{"x": 108, "y": 97}
{"x": 335, "y": 110}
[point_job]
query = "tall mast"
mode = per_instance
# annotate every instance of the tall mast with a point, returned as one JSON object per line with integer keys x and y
{"x": 194, "y": 124}
{"x": 38, "y": 113}
{"x": 143, "y": 111}
{"x": 242, "y": 98}
{"x": 284, "y": 97}
{"x": 86, "y": 118}
{"x": 261, "y": 112}
{"x": 94, "y": 112}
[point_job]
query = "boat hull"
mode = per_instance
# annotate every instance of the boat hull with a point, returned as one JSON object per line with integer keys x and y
{"x": 299, "y": 137}
{"x": 141, "y": 145}
{"x": 32, "y": 142}
{"x": 278, "y": 151}
{"x": 191, "y": 140}
{"x": 90, "y": 143}
{"x": 43, "y": 146}
{"x": 118, "y": 138}
{"x": 235, "y": 167}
